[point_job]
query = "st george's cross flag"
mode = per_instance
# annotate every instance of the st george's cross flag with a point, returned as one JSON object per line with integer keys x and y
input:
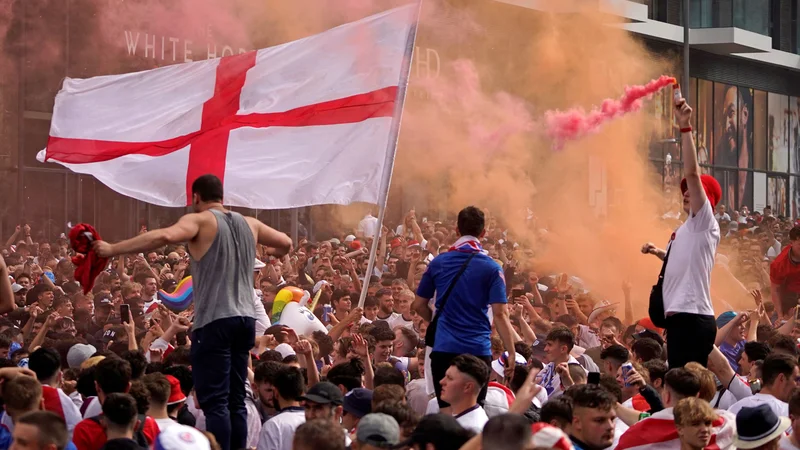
{"x": 658, "y": 432}
{"x": 303, "y": 123}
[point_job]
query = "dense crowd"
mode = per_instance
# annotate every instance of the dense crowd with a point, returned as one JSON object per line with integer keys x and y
{"x": 110, "y": 368}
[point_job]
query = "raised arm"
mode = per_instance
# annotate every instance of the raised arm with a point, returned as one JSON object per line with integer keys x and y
{"x": 6, "y": 293}
{"x": 697, "y": 195}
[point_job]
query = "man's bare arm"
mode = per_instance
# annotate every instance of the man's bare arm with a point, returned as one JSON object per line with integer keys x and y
{"x": 420, "y": 306}
{"x": 183, "y": 231}
{"x": 277, "y": 243}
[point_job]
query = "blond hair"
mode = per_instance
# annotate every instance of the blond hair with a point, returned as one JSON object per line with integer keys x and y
{"x": 692, "y": 411}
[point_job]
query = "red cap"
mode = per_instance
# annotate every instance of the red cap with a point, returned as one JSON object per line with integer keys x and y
{"x": 710, "y": 185}
{"x": 355, "y": 245}
{"x": 396, "y": 242}
{"x": 175, "y": 393}
{"x": 647, "y": 323}
{"x": 413, "y": 244}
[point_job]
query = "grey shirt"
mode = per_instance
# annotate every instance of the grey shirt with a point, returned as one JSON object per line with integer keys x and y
{"x": 223, "y": 278}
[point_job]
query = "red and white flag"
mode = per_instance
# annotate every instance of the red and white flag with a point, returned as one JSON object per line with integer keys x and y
{"x": 303, "y": 123}
{"x": 658, "y": 432}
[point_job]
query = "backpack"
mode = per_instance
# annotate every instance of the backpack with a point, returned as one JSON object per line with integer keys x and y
{"x": 138, "y": 433}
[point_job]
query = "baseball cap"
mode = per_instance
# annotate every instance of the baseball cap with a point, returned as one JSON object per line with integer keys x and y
{"x": 378, "y": 430}
{"x": 258, "y": 264}
{"x": 79, "y": 353}
{"x": 181, "y": 437}
{"x": 324, "y": 393}
{"x": 441, "y": 430}
{"x": 649, "y": 334}
{"x": 349, "y": 238}
{"x": 413, "y": 244}
{"x": 358, "y": 402}
{"x": 16, "y": 287}
{"x": 285, "y": 350}
{"x": 647, "y": 322}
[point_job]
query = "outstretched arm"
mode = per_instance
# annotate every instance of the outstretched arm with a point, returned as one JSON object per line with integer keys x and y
{"x": 277, "y": 243}
{"x": 183, "y": 231}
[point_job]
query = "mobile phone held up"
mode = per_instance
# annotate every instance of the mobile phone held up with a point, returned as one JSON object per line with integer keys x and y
{"x": 516, "y": 293}
{"x": 125, "y": 313}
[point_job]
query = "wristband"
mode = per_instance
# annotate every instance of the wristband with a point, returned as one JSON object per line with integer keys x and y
{"x": 686, "y": 130}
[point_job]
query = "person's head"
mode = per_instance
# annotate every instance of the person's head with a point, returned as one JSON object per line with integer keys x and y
{"x": 708, "y": 384}
{"x": 149, "y": 285}
{"x": 120, "y": 414}
{"x": 356, "y": 404}
{"x": 592, "y": 415}
{"x": 464, "y": 380}
{"x": 41, "y": 293}
{"x": 159, "y": 388}
{"x": 206, "y": 189}
{"x": 780, "y": 374}
{"x": 264, "y": 378}
{"x": 439, "y": 432}
{"x": 385, "y": 301}
{"x": 348, "y": 375}
{"x": 794, "y": 240}
{"x": 794, "y": 412}
{"x": 646, "y": 349}
{"x": 656, "y": 370}
{"x": 371, "y": 307}
{"x": 613, "y": 357}
{"x": 323, "y": 401}
{"x": 384, "y": 341}
{"x": 558, "y": 344}
{"x": 557, "y": 412}
{"x": 679, "y": 383}
{"x": 403, "y": 302}
{"x": 21, "y": 396}
{"x": 385, "y": 373}
{"x": 610, "y": 328}
{"x": 753, "y": 351}
{"x": 341, "y": 301}
{"x": 507, "y": 432}
{"x": 289, "y": 386}
{"x": 693, "y": 419}
{"x": 63, "y": 306}
{"x": 112, "y": 375}
{"x": 46, "y": 364}
{"x": 388, "y": 393}
{"x": 318, "y": 434}
{"x": 405, "y": 341}
{"x": 24, "y": 280}
{"x": 40, "y": 430}
{"x": 376, "y": 431}
{"x": 404, "y": 415}
{"x": 471, "y": 222}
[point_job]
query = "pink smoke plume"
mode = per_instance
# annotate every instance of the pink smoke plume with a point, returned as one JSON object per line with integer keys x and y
{"x": 562, "y": 126}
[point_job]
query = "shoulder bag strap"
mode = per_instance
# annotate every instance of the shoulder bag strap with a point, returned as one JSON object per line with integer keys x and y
{"x": 453, "y": 283}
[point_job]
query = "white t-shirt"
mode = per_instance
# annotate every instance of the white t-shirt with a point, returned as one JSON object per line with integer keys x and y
{"x": 262, "y": 319}
{"x": 163, "y": 424}
{"x": 94, "y": 409}
{"x": 473, "y": 419}
{"x": 278, "y": 432}
{"x": 391, "y": 319}
{"x": 687, "y": 279}
{"x": 397, "y": 320}
{"x": 368, "y": 227}
{"x": 786, "y": 444}
{"x": 778, "y": 407}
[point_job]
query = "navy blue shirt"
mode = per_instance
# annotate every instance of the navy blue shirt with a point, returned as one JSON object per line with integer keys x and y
{"x": 464, "y": 326}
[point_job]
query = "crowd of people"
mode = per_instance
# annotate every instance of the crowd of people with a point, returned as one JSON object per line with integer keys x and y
{"x": 459, "y": 343}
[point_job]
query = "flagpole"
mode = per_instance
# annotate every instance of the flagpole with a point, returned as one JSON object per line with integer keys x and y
{"x": 394, "y": 136}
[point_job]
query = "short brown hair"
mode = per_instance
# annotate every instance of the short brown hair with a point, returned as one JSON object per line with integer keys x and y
{"x": 52, "y": 428}
{"x": 387, "y": 392}
{"x": 708, "y": 386}
{"x": 22, "y": 394}
{"x": 692, "y": 411}
{"x": 319, "y": 434}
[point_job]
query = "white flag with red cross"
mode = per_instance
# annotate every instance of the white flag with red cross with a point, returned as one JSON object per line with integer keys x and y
{"x": 304, "y": 123}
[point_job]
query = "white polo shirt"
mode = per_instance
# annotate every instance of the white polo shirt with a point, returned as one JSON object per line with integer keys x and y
{"x": 687, "y": 279}
{"x": 780, "y": 408}
{"x": 278, "y": 432}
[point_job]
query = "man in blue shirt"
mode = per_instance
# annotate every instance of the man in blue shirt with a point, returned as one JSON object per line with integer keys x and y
{"x": 464, "y": 326}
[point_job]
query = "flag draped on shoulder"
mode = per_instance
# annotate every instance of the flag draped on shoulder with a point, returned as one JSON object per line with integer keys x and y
{"x": 303, "y": 123}
{"x": 658, "y": 432}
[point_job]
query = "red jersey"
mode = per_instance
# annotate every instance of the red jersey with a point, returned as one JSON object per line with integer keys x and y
{"x": 90, "y": 435}
{"x": 785, "y": 273}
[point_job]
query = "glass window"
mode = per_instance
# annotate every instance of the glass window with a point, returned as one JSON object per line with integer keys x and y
{"x": 705, "y": 101}
{"x": 44, "y": 207}
{"x": 35, "y": 134}
{"x": 747, "y": 195}
{"x": 794, "y": 197}
{"x": 778, "y": 132}
{"x": 700, "y": 14}
{"x": 752, "y": 15}
{"x": 759, "y": 120}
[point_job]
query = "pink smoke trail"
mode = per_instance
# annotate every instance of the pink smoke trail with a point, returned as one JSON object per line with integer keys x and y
{"x": 562, "y": 126}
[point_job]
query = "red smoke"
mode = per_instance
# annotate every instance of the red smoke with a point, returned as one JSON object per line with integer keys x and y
{"x": 576, "y": 122}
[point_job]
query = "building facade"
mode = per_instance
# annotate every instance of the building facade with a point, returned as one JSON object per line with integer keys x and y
{"x": 744, "y": 64}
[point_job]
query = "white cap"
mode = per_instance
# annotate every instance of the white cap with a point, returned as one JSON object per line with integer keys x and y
{"x": 16, "y": 287}
{"x": 285, "y": 350}
{"x": 350, "y": 238}
{"x": 180, "y": 437}
{"x": 499, "y": 366}
{"x": 259, "y": 265}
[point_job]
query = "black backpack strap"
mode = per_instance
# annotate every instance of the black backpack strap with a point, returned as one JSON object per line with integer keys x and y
{"x": 453, "y": 283}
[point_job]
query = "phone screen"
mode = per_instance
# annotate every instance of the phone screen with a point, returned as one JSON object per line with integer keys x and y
{"x": 517, "y": 293}
{"x": 124, "y": 312}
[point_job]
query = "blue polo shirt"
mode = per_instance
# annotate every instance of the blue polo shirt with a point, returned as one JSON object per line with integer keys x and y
{"x": 464, "y": 326}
